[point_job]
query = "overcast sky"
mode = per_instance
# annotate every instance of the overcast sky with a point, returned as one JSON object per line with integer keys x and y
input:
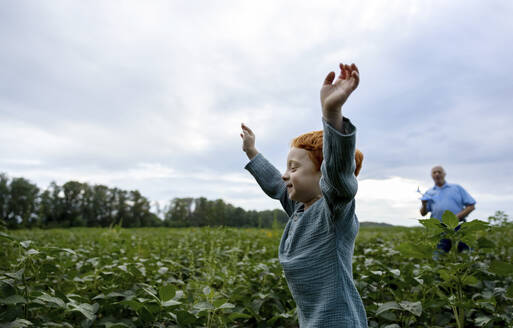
{"x": 150, "y": 95}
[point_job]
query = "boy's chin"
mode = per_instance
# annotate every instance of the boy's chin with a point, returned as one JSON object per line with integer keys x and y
{"x": 292, "y": 197}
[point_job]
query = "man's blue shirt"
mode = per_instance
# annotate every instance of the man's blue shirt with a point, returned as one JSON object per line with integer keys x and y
{"x": 450, "y": 197}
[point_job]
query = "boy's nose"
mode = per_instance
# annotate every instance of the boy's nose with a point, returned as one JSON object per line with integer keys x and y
{"x": 285, "y": 176}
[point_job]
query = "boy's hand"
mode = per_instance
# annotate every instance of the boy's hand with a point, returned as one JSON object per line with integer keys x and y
{"x": 248, "y": 141}
{"x": 334, "y": 95}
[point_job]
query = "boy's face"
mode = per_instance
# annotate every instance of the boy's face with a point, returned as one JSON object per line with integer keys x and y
{"x": 301, "y": 177}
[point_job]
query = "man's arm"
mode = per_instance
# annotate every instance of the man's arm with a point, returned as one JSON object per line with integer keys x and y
{"x": 466, "y": 211}
{"x": 426, "y": 203}
{"x": 423, "y": 208}
{"x": 468, "y": 201}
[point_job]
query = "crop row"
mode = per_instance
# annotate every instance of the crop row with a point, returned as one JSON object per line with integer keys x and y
{"x": 225, "y": 277}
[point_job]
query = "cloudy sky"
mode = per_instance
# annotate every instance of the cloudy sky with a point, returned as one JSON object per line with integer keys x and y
{"x": 150, "y": 95}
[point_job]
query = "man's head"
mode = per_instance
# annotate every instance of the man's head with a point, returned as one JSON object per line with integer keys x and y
{"x": 304, "y": 167}
{"x": 438, "y": 175}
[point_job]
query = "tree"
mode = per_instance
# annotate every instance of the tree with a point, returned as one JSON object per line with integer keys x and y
{"x": 4, "y": 196}
{"x": 178, "y": 213}
{"x": 217, "y": 216}
{"x": 140, "y": 210}
{"x": 120, "y": 206}
{"x": 51, "y": 209}
{"x": 79, "y": 204}
{"x": 22, "y": 205}
{"x": 73, "y": 203}
{"x": 199, "y": 212}
{"x": 101, "y": 209}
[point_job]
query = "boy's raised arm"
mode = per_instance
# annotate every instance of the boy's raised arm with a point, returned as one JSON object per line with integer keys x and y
{"x": 338, "y": 181}
{"x": 266, "y": 175}
{"x": 248, "y": 141}
{"x": 335, "y": 94}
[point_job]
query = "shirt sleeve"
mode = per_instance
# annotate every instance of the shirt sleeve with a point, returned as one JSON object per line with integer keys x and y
{"x": 466, "y": 198}
{"x": 338, "y": 182}
{"x": 269, "y": 179}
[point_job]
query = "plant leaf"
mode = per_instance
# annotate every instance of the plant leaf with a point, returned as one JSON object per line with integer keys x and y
{"x": 167, "y": 292}
{"x": 18, "y": 275}
{"x": 432, "y": 225}
{"x": 509, "y": 293}
{"x": 4, "y": 235}
{"x": 411, "y": 250}
{"x": 151, "y": 293}
{"x": 204, "y": 306}
{"x": 13, "y": 300}
{"x": 51, "y": 299}
{"x": 470, "y": 280}
{"x": 134, "y": 305}
{"x": 170, "y": 303}
{"x": 26, "y": 243}
{"x": 237, "y": 315}
{"x": 485, "y": 243}
{"x": 473, "y": 226}
{"x": 413, "y": 307}
{"x": 449, "y": 219}
{"x": 87, "y": 310}
{"x": 185, "y": 318}
{"x": 501, "y": 268}
{"x": 18, "y": 323}
{"x": 482, "y": 321}
{"x": 226, "y": 306}
{"x": 109, "y": 324}
{"x": 218, "y": 302}
{"x": 32, "y": 252}
{"x": 387, "y": 307}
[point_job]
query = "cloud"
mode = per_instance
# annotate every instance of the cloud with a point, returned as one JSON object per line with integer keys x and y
{"x": 150, "y": 96}
{"x": 393, "y": 200}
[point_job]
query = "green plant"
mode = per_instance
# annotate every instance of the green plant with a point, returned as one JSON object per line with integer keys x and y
{"x": 455, "y": 275}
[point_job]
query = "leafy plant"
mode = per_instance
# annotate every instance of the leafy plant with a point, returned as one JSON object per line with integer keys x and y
{"x": 456, "y": 276}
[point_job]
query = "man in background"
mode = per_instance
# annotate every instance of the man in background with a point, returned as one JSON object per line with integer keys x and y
{"x": 445, "y": 196}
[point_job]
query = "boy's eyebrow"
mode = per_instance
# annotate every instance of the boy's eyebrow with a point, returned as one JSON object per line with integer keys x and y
{"x": 292, "y": 162}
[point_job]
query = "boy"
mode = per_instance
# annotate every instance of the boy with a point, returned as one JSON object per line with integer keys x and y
{"x": 317, "y": 191}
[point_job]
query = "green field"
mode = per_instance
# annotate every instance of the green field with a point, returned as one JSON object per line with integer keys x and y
{"x": 226, "y": 277}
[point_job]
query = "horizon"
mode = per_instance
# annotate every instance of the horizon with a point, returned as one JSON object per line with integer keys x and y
{"x": 158, "y": 208}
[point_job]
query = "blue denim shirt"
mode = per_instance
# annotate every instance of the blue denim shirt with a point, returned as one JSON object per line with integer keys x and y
{"x": 317, "y": 245}
{"x": 450, "y": 197}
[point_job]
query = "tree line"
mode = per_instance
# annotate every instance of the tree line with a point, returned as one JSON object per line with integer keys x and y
{"x": 75, "y": 204}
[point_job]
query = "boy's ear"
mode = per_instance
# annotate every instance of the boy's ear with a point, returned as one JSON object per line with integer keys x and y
{"x": 358, "y": 156}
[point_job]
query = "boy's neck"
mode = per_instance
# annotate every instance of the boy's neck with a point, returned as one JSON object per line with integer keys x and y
{"x": 313, "y": 200}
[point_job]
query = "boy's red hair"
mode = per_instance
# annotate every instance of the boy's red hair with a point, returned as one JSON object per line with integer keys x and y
{"x": 312, "y": 142}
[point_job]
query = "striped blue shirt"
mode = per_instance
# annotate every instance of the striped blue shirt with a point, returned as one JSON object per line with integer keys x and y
{"x": 317, "y": 245}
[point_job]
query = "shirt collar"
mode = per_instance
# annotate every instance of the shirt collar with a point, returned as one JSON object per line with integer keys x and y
{"x": 445, "y": 185}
